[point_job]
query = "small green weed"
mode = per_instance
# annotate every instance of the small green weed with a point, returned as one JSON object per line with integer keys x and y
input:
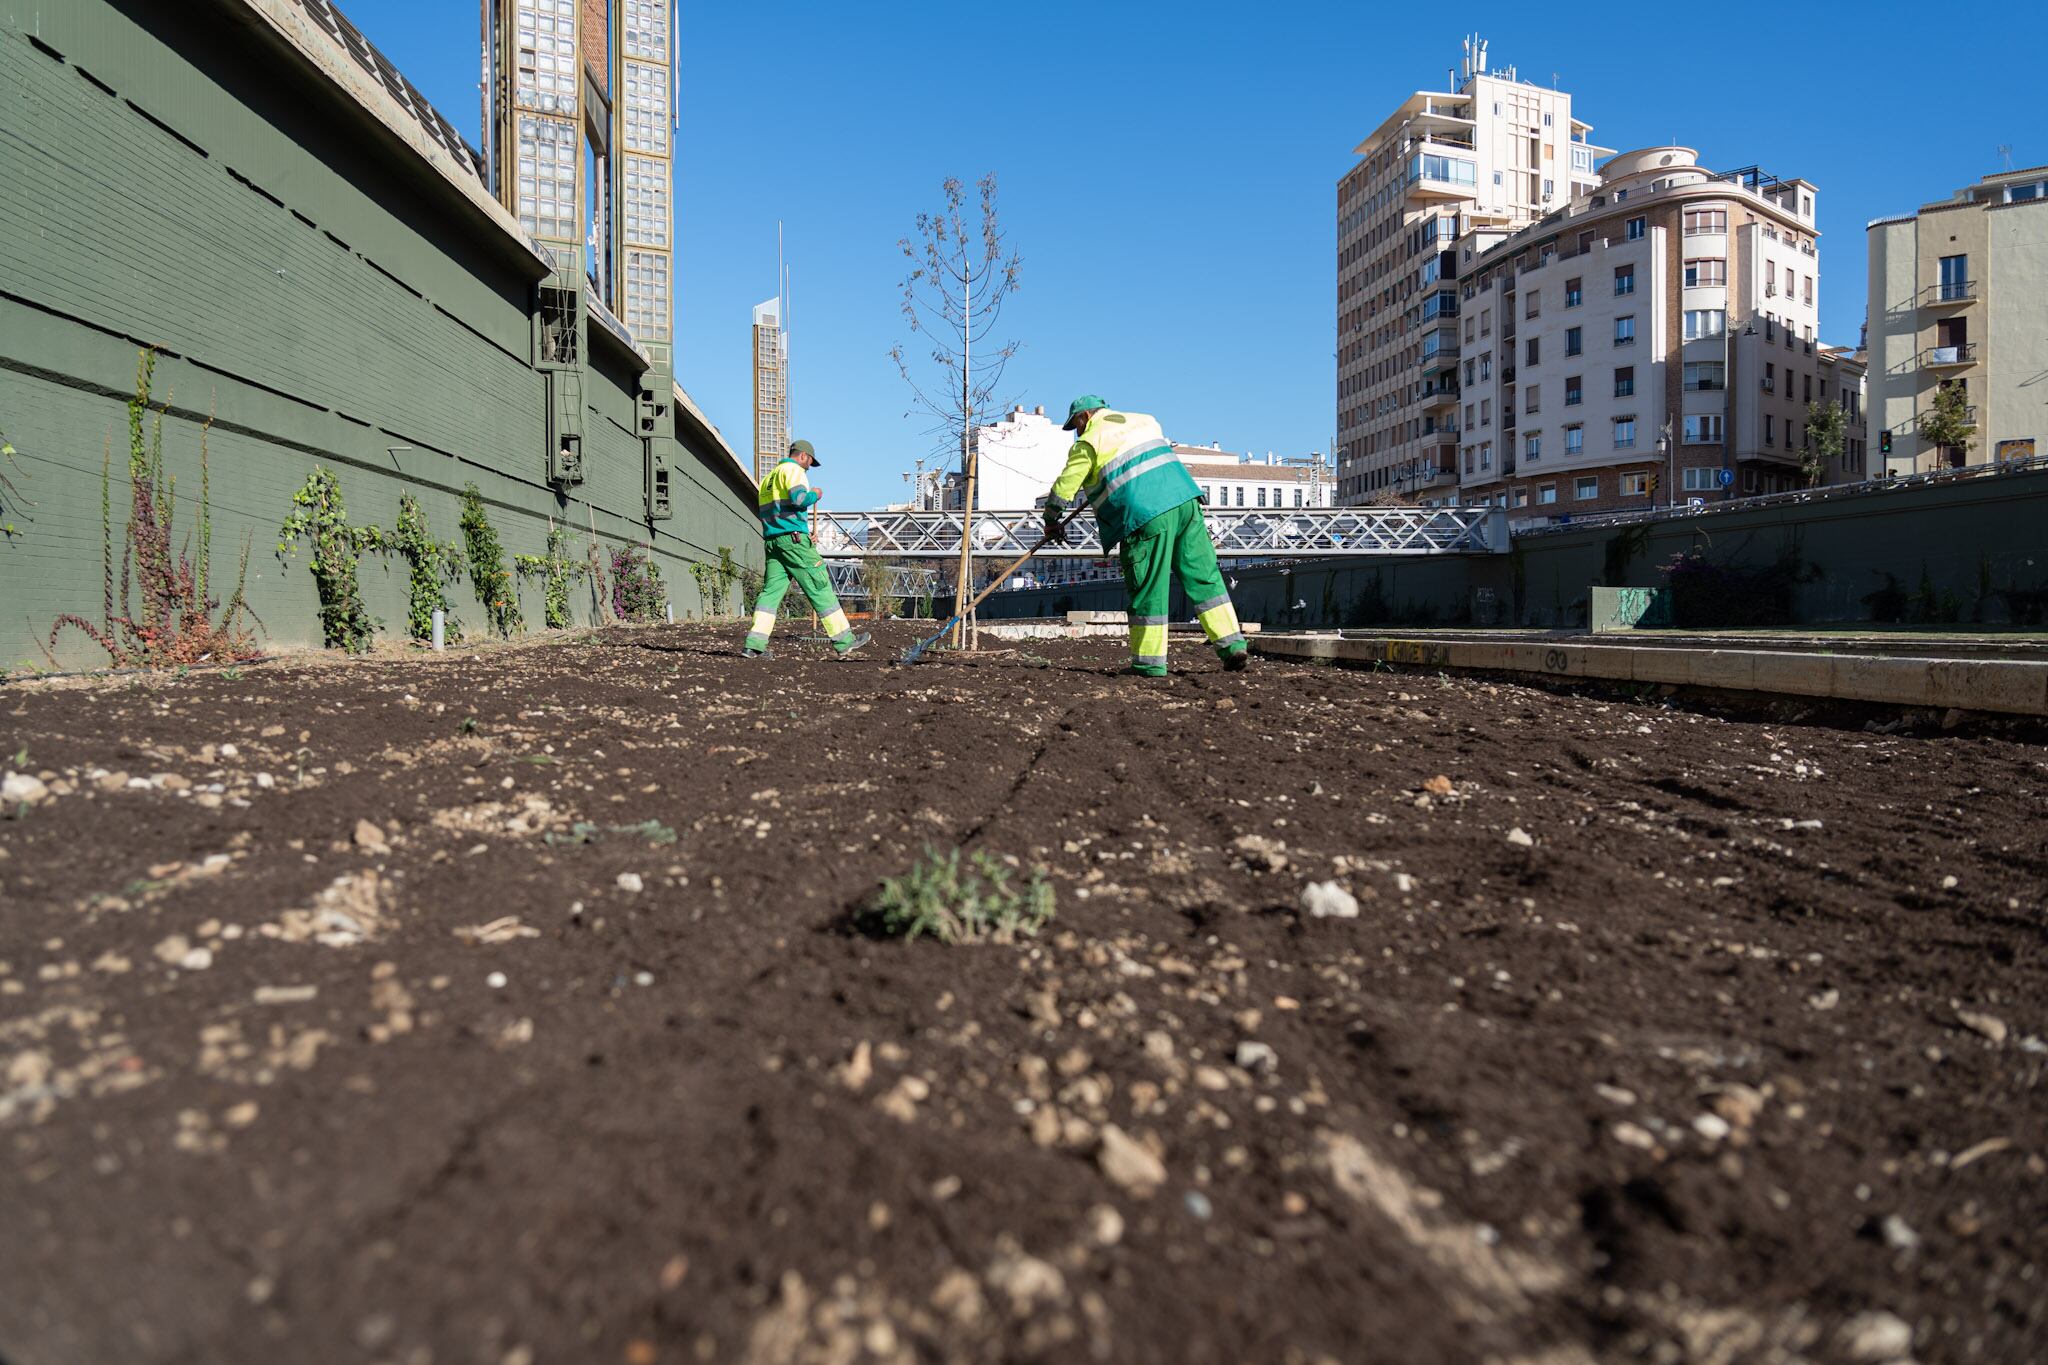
{"x": 956, "y": 904}
{"x": 468, "y": 726}
{"x": 20, "y": 759}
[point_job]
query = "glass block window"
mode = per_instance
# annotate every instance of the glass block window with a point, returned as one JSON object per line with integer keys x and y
{"x": 646, "y": 200}
{"x": 646, "y": 109}
{"x": 546, "y": 58}
{"x": 647, "y": 29}
{"x": 547, "y": 177}
{"x": 647, "y": 295}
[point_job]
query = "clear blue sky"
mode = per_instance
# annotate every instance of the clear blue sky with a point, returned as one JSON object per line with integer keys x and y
{"x": 1177, "y": 230}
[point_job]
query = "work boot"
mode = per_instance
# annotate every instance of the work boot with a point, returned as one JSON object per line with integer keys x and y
{"x": 859, "y": 640}
{"x": 1144, "y": 674}
{"x": 1236, "y": 660}
{"x": 749, "y": 652}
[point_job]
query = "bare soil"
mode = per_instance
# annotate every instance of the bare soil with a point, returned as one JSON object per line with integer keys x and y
{"x": 397, "y": 1032}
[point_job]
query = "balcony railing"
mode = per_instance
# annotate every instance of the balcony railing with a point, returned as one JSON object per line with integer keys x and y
{"x": 1962, "y": 353}
{"x": 1948, "y": 292}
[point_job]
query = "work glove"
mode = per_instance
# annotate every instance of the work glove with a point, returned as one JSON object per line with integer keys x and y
{"x": 1055, "y": 522}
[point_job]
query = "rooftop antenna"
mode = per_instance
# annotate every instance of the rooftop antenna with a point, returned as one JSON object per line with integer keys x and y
{"x": 2005, "y": 153}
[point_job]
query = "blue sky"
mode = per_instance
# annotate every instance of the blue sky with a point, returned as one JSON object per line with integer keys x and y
{"x": 1168, "y": 171}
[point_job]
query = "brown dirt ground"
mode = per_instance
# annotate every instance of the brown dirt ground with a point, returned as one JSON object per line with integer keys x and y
{"x": 1742, "y": 1048}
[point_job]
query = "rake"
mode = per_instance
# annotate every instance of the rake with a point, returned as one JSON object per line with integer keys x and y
{"x": 916, "y": 651}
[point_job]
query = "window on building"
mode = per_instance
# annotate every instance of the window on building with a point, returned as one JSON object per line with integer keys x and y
{"x": 1468, "y": 414}
{"x": 1806, "y": 388}
{"x": 1625, "y": 330}
{"x": 1486, "y": 322}
{"x": 1535, "y": 351}
{"x": 1470, "y": 363}
{"x": 1262, "y": 497}
{"x": 1485, "y": 456}
{"x": 1788, "y": 281}
{"x": 1770, "y": 430}
{"x": 1624, "y": 433}
{"x": 1587, "y": 488}
{"x": 1635, "y": 485}
{"x": 1702, "y": 221}
{"x": 1806, "y": 289}
{"x": 1705, "y": 322}
{"x": 1240, "y": 495}
{"x": 1700, "y": 479}
{"x": 1297, "y": 497}
{"x": 1574, "y": 338}
{"x": 1532, "y": 445}
{"x": 1702, "y": 428}
{"x": 1625, "y": 381}
{"x": 1534, "y": 303}
{"x": 1486, "y": 412}
{"x": 1574, "y": 440}
{"x": 1471, "y": 459}
{"x": 1705, "y": 376}
{"x": 1637, "y": 227}
{"x": 1546, "y": 493}
{"x": 1770, "y": 377}
{"x": 1572, "y": 394}
{"x": 1955, "y": 277}
{"x": 1624, "y": 279}
{"x": 1486, "y": 366}
{"x": 1529, "y": 404}
{"x": 1704, "y": 271}
{"x": 1574, "y": 293}
{"x": 1522, "y": 496}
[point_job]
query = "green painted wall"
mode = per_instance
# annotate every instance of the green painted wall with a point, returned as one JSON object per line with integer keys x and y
{"x": 313, "y": 286}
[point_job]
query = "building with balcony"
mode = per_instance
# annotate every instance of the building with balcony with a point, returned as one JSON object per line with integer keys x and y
{"x": 1956, "y": 296}
{"x": 1843, "y": 379}
{"x": 1648, "y": 343}
{"x": 1492, "y": 151}
{"x": 1253, "y": 482}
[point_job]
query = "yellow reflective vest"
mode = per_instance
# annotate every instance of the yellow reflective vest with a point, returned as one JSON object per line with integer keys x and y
{"x": 784, "y": 499}
{"x": 1126, "y": 468}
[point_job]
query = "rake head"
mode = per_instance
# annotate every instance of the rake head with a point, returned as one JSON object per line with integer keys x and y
{"x": 917, "y": 651}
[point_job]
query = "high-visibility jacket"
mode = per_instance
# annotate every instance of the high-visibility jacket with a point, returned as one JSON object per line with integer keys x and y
{"x": 784, "y": 499}
{"x": 1127, "y": 468}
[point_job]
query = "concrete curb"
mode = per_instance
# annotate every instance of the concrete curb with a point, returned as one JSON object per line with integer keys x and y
{"x": 2013, "y": 686}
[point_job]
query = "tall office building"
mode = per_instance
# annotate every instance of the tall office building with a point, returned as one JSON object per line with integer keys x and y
{"x": 578, "y": 116}
{"x": 771, "y": 388}
{"x": 1491, "y": 151}
{"x": 1956, "y": 296}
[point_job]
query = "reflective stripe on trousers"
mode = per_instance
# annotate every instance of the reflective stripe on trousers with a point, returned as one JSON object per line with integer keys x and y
{"x": 1219, "y": 623}
{"x": 1148, "y": 641}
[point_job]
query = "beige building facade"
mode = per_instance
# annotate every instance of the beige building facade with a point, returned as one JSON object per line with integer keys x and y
{"x": 1493, "y": 150}
{"x": 1651, "y": 343}
{"x": 1959, "y": 296}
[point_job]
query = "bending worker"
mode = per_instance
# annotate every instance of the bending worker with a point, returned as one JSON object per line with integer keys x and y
{"x": 784, "y": 505}
{"x": 1146, "y": 501}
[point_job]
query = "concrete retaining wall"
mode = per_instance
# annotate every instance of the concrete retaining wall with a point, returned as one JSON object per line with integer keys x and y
{"x": 2013, "y": 686}
{"x": 1972, "y": 552}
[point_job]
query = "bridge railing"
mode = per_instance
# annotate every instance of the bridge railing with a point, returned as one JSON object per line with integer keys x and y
{"x": 1239, "y": 532}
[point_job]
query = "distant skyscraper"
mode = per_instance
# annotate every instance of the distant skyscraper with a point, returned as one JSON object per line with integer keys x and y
{"x": 1492, "y": 151}
{"x": 771, "y": 388}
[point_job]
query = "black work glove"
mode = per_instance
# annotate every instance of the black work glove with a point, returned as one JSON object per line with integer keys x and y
{"x": 1055, "y": 522}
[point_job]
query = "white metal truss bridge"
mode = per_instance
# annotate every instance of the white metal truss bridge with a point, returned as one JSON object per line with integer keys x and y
{"x": 1239, "y": 532}
{"x": 905, "y": 582}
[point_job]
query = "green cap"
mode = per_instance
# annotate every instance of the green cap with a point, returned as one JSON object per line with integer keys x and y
{"x": 1087, "y": 402}
{"x": 804, "y": 448}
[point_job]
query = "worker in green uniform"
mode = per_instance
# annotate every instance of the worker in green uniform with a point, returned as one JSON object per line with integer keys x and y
{"x": 783, "y": 504}
{"x": 1146, "y": 501}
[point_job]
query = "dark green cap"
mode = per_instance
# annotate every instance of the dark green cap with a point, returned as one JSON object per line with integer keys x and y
{"x": 1087, "y": 402}
{"x": 805, "y": 448}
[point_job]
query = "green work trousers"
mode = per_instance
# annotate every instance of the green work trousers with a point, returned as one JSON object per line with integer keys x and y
{"x": 794, "y": 557}
{"x": 1175, "y": 543}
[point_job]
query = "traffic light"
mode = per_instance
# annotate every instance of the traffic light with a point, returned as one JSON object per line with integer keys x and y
{"x": 1884, "y": 441}
{"x": 1653, "y": 485}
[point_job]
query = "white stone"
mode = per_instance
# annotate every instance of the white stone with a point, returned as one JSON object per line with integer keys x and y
{"x": 1876, "y": 1336}
{"x": 496, "y": 981}
{"x": 1519, "y": 837}
{"x": 1327, "y": 900}
{"x": 22, "y": 789}
{"x": 630, "y": 882}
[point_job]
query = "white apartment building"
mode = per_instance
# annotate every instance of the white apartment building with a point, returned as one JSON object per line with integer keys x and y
{"x": 1251, "y": 482}
{"x": 1491, "y": 151}
{"x": 1649, "y": 343}
{"x": 1016, "y": 460}
{"x": 1957, "y": 296}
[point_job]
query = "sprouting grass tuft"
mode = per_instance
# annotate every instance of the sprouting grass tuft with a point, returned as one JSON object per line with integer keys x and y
{"x": 974, "y": 903}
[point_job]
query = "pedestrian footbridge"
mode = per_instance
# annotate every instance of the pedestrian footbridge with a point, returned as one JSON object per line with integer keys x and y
{"x": 1239, "y": 532}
